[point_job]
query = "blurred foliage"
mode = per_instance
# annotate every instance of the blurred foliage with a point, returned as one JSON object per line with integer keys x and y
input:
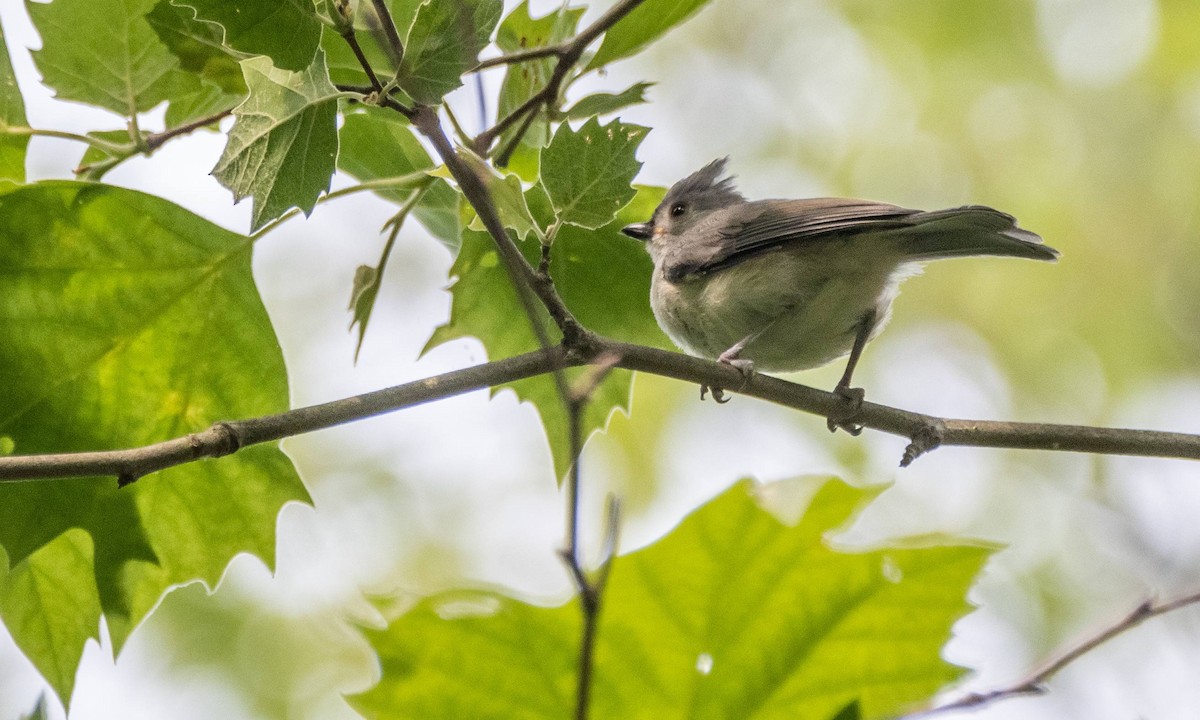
{"x": 1083, "y": 121}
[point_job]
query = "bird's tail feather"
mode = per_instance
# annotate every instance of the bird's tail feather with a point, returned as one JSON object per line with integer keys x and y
{"x": 971, "y": 230}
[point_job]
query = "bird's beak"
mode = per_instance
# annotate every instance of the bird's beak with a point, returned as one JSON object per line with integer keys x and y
{"x": 639, "y": 231}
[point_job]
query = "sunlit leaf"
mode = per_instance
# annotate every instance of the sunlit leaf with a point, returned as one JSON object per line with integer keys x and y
{"x": 126, "y": 68}
{"x": 51, "y": 607}
{"x": 287, "y": 31}
{"x": 282, "y": 149}
{"x": 129, "y": 320}
{"x": 732, "y": 614}
{"x": 587, "y": 173}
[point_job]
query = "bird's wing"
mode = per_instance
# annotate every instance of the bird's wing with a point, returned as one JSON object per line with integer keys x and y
{"x": 766, "y": 225}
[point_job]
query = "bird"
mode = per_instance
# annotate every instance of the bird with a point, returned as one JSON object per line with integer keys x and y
{"x": 785, "y": 285}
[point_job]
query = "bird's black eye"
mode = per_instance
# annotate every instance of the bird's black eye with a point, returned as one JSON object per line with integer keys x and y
{"x": 678, "y": 209}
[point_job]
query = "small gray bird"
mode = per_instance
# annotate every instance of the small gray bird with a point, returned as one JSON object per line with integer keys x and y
{"x": 785, "y": 285}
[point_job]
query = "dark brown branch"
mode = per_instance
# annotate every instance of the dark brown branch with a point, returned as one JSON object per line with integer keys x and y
{"x": 1035, "y": 684}
{"x": 215, "y": 441}
{"x": 352, "y": 40}
{"x": 227, "y": 437}
{"x": 568, "y": 54}
{"x": 395, "y": 44}
{"x": 971, "y": 433}
{"x": 524, "y": 279}
{"x": 591, "y": 590}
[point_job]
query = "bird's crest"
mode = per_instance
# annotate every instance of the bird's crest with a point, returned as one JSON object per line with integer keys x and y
{"x": 706, "y": 188}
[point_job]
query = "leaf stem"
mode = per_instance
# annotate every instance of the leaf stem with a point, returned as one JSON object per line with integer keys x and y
{"x": 105, "y": 145}
{"x": 417, "y": 180}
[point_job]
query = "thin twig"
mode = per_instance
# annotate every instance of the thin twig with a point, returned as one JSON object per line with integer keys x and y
{"x": 352, "y": 40}
{"x": 568, "y": 53}
{"x": 99, "y": 143}
{"x": 967, "y": 433}
{"x": 590, "y": 590}
{"x": 156, "y": 140}
{"x": 520, "y": 56}
{"x": 1035, "y": 684}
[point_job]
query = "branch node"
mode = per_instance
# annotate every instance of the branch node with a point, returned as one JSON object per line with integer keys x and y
{"x": 127, "y": 478}
{"x": 227, "y": 440}
{"x": 580, "y": 344}
{"x": 928, "y": 436}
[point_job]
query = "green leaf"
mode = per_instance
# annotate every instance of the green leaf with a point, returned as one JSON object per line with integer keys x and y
{"x": 12, "y": 114}
{"x": 607, "y": 103}
{"x": 602, "y": 276}
{"x": 733, "y": 614}
{"x": 128, "y": 320}
{"x": 377, "y": 144}
{"x": 362, "y": 299}
{"x": 197, "y": 45}
{"x": 850, "y": 712}
{"x": 507, "y": 193}
{"x": 587, "y": 173}
{"x": 520, "y": 31}
{"x": 125, "y": 68}
{"x": 287, "y": 31}
{"x": 444, "y": 43}
{"x": 646, "y": 23}
{"x": 282, "y": 149}
{"x": 51, "y": 607}
{"x": 367, "y": 279}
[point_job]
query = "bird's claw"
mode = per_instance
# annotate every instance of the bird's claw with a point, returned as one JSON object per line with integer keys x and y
{"x": 717, "y": 393}
{"x": 742, "y": 365}
{"x": 845, "y": 420}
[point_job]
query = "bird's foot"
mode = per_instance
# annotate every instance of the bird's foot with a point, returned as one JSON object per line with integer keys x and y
{"x": 742, "y": 365}
{"x": 845, "y": 417}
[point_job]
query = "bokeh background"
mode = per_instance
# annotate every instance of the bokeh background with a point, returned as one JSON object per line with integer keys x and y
{"x": 1080, "y": 117}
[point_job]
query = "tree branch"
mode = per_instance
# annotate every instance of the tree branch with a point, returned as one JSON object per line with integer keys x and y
{"x": 395, "y": 44}
{"x": 225, "y": 438}
{"x": 228, "y": 437}
{"x": 591, "y": 590}
{"x": 1035, "y": 684}
{"x": 522, "y": 274}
